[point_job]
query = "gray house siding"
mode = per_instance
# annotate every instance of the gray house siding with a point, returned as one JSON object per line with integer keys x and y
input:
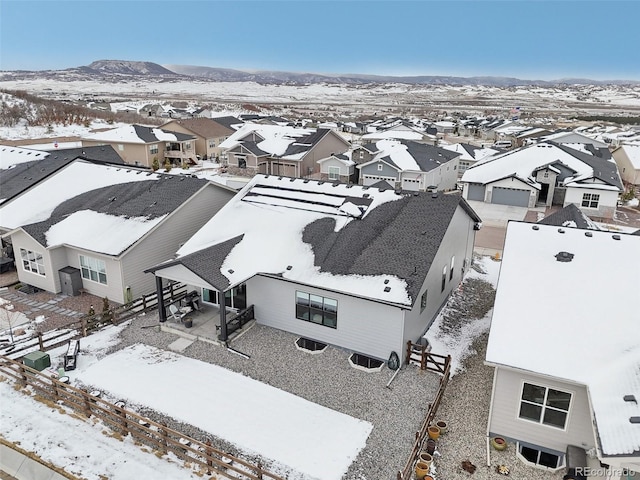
{"x": 505, "y": 406}
{"x": 457, "y": 244}
{"x": 112, "y": 290}
{"x": 372, "y": 171}
{"x": 163, "y": 242}
{"x": 47, "y": 281}
{"x": 363, "y": 326}
{"x": 329, "y": 144}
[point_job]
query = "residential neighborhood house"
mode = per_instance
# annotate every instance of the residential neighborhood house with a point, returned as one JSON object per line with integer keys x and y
{"x": 627, "y": 158}
{"x": 208, "y": 133}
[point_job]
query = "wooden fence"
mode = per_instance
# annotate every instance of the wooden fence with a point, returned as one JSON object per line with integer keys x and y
{"x": 443, "y": 367}
{"x": 123, "y": 422}
{"x": 89, "y": 323}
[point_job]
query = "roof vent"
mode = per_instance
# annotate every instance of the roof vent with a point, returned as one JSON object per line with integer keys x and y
{"x": 635, "y": 420}
{"x": 424, "y": 232}
{"x": 630, "y": 398}
{"x": 386, "y": 280}
{"x": 320, "y": 182}
{"x": 387, "y": 289}
{"x": 615, "y": 237}
{"x": 292, "y": 180}
{"x": 349, "y": 185}
{"x": 561, "y": 230}
{"x": 365, "y": 195}
{"x": 306, "y": 180}
{"x": 230, "y": 271}
{"x": 416, "y": 194}
{"x": 279, "y": 178}
{"x": 434, "y": 195}
{"x": 289, "y": 267}
{"x": 588, "y": 234}
{"x": 535, "y": 227}
{"x": 564, "y": 257}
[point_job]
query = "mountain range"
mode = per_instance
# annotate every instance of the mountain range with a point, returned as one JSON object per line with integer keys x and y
{"x": 118, "y": 70}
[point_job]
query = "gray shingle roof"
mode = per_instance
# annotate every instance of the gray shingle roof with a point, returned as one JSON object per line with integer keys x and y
{"x": 97, "y": 154}
{"x": 568, "y": 215}
{"x": 304, "y": 144}
{"x": 151, "y": 199}
{"x": 428, "y": 157}
{"x": 146, "y": 134}
{"x": 253, "y": 148}
{"x": 603, "y": 169}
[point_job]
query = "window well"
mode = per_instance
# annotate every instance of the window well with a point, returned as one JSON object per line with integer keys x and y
{"x": 362, "y": 362}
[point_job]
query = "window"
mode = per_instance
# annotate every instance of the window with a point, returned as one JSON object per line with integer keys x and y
{"x": 538, "y": 457}
{"x": 546, "y": 174}
{"x": 423, "y": 301}
{"x": 361, "y": 154}
{"x": 334, "y": 173}
{"x": 590, "y": 200}
{"x": 242, "y": 162}
{"x": 453, "y": 262}
{"x": 32, "y": 261}
{"x": 544, "y": 405}
{"x": 380, "y": 167}
{"x": 316, "y": 309}
{"x": 93, "y": 269}
{"x": 187, "y": 145}
{"x": 444, "y": 278}
{"x": 153, "y": 149}
{"x": 212, "y": 143}
{"x": 464, "y": 165}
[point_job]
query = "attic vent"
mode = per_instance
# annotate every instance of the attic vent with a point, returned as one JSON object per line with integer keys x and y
{"x": 630, "y": 398}
{"x": 635, "y": 420}
{"x": 564, "y": 257}
{"x": 588, "y": 234}
{"x": 350, "y": 185}
{"x": 230, "y": 271}
{"x": 615, "y": 237}
{"x": 289, "y": 267}
{"x": 386, "y": 281}
{"x": 535, "y": 227}
{"x": 365, "y": 187}
{"x": 560, "y": 230}
{"x": 306, "y": 180}
{"x": 387, "y": 289}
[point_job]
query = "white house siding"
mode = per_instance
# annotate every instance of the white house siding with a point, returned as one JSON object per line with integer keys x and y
{"x": 457, "y": 242}
{"x": 162, "y": 243}
{"x": 47, "y": 281}
{"x": 628, "y": 171}
{"x": 505, "y": 409}
{"x": 512, "y": 183}
{"x": 606, "y": 204}
{"x": 363, "y": 326}
{"x": 112, "y": 290}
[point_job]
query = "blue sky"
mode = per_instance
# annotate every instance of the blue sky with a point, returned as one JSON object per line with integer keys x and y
{"x": 520, "y": 38}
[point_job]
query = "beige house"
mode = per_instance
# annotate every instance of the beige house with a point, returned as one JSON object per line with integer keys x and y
{"x": 281, "y": 150}
{"x": 140, "y": 145}
{"x": 209, "y": 134}
{"x": 627, "y": 158}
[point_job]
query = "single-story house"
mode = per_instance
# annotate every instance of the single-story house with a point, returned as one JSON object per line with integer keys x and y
{"x": 102, "y": 225}
{"x": 411, "y": 165}
{"x": 547, "y": 174}
{"x": 141, "y": 145}
{"x": 565, "y": 348}
{"x": 361, "y": 268}
{"x": 281, "y": 150}
{"x": 627, "y": 158}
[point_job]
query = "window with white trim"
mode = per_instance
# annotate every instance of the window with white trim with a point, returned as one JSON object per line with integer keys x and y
{"x": 32, "y": 261}
{"x": 544, "y": 405}
{"x": 590, "y": 200}
{"x": 444, "y": 278}
{"x": 464, "y": 165}
{"x": 316, "y": 309}
{"x": 361, "y": 154}
{"x": 120, "y": 147}
{"x": 93, "y": 269}
{"x": 539, "y": 457}
{"x": 453, "y": 262}
{"x": 153, "y": 149}
{"x": 334, "y": 173}
{"x": 212, "y": 143}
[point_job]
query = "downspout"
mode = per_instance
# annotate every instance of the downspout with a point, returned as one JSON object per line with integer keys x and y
{"x": 493, "y": 392}
{"x": 162, "y": 312}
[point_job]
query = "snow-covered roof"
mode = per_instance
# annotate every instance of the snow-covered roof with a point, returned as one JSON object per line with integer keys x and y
{"x": 138, "y": 134}
{"x": 521, "y": 163}
{"x": 633, "y": 154}
{"x": 584, "y": 327}
{"x": 329, "y": 235}
{"x": 573, "y": 137}
{"x": 470, "y": 152}
{"x": 407, "y": 155}
{"x": 275, "y": 139}
{"x": 395, "y": 134}
{"x": 10, "y": 156}
{"x": 109, "y": 209}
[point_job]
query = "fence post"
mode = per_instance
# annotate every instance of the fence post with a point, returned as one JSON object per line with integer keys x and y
{"x": 125, "y": 427}
{"x": 144, "y": 302}
{"x": 87, "y": 403}
{"x": 208, "y": 452}
{"x": 163, "y": 438}
{"x": 259, "y": 472}
{"x": 83, "y": 326}
{"x": 40, "y": 342}
{"x": 23, "y": 375}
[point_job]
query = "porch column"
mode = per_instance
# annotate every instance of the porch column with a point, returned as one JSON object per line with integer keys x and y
{"x": 162, "y": 312}
{"x": 223, "y": 316}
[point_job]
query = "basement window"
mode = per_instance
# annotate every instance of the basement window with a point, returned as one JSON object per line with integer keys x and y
{"x": 362, "y": 362}
{"x": 310, "y": 346}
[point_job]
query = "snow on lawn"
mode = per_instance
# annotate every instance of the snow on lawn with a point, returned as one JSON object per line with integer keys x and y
{"x": 458, "y": 343}
{"x": 80, "y": 448}
{"x": 313, "y": 440}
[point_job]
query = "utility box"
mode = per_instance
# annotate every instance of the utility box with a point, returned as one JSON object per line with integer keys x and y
{"x": 70, "y": 281}
{"x": 37, "y": 360}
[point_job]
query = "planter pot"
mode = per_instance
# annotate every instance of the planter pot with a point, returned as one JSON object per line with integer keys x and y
{"x": 422, "y": 470}
{"x": 425, "y": 458}
{"x": 442, "y": 425}
{"x": 188, "y": 323}
{"x": 434, "y": 432}
{"x": 498, "y": 443}
{"x": 431, "y": 446}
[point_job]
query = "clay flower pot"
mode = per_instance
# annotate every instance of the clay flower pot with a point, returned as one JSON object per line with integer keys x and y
{"x": 422, "y": 470}
{"x": 434, "y": 432}
{"x": 442, "y": 425}
{"x": 498, "y": 443}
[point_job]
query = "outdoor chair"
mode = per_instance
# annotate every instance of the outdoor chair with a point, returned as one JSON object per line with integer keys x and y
{"x": 178, "y": 314}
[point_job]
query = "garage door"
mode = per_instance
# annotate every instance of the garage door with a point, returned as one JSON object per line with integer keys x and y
{"x": 409, "y": 184}
{"x": 510, "y": 196}
{"x": 476, "y": 192}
